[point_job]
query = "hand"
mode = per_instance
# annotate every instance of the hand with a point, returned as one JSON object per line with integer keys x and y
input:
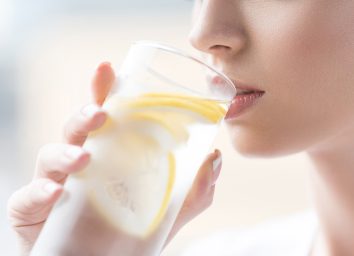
{"x": 29, "y": 207}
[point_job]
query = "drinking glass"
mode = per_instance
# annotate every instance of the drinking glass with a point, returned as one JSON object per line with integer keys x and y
{"x": 164, "y": 111}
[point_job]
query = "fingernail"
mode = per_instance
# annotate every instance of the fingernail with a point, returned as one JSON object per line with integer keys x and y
{"x": 90, "y": 110}
{"x": 216, "y": 168}
{"x": 217, "y": 163}
{"x": 74, "y": 152}
{"x": 106, "y": 63}
{"x": 51, "y": 187}
{"x": 103, "y": 66}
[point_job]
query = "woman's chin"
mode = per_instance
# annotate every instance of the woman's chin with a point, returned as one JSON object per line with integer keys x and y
{"x": 253, "y": 151}
{"x": 261, "y": 146}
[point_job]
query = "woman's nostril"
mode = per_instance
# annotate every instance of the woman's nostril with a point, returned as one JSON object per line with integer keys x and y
{"x": 219, "y": 47}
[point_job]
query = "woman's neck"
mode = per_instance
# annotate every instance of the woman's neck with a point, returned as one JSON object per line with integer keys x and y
{"x": 333, "y": 184}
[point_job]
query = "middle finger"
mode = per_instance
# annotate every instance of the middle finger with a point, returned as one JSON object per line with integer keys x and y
{"x": 82, "y": 122}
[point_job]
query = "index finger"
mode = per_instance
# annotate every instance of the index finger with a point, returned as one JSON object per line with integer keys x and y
{"x": 91, "y": 117}
{"x": 102, "y": 82}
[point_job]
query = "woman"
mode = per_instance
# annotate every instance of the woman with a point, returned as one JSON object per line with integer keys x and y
{"x": 298, "y": 56}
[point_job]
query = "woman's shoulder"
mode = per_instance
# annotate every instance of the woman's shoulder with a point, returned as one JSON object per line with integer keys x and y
{"x": 291, "y": 236}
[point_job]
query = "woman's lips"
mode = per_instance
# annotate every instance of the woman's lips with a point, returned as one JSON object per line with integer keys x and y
{"x": 245, "y": 98}
{"x": 241, "y": 103}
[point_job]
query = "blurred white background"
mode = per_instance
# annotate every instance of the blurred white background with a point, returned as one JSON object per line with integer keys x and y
{"x": 48, "y": 52}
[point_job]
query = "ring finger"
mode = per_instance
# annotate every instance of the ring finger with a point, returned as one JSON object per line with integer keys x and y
{"x": 56, "y": 161}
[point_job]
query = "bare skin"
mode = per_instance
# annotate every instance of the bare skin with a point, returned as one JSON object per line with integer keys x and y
{"x": 301, "y": 53}
{"x": 29, "y": 207}
{"x": 333, "y": 186}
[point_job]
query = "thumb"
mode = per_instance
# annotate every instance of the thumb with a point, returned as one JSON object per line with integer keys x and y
{"x": 201, "y": 195}
{"x": 31, "y": 204}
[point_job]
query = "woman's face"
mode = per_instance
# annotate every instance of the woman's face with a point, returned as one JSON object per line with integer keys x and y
{"x": 299, "y": 52}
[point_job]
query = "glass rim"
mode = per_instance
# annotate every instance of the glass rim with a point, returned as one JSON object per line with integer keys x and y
{"x": 174, "y": 50}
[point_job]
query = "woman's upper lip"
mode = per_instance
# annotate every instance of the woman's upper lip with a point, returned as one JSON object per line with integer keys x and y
{"x": 241, "y": 86}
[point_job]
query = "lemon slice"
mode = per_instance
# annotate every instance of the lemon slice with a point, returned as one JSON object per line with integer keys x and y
{"x": 209, "y": 104}
{"x": 173, "y": 123}
{"x": 133, "y": 192}
{"x": 205, "y": 109}
{"x": 132, "y": 171}
{"x": 163, "y": 102}
{"x": 136, "y": 204}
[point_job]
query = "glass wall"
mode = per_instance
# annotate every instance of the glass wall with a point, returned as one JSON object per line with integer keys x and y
{"x": 48, "y": 52}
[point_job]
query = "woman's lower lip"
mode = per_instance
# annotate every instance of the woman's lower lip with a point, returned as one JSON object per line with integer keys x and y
{"x": 241, "y": 103}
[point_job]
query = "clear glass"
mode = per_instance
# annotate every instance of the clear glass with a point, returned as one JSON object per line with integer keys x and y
{"x": 164, "y": 112}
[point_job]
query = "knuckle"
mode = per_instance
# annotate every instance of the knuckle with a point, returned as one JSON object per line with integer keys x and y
{"x": 206, "y": 204}
{"x": 207, "y": 200}
{"x": 40, "y": 157}
{"x": 46, "y": 150}
{"x": 43, "y": 150}
{"x": 13, "y": 214}
{"x": 13, "y": 217}
{"x": 66, "y": 131}
{"x": 74, "y": 134}
{"x": 10, "y": 204}
{"x": 67, "y": 128}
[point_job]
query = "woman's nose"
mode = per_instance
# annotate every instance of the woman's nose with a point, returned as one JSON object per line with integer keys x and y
{"x": 217, "y": 28}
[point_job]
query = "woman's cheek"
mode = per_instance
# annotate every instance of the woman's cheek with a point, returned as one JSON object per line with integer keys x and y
{"x": 310, "y": 65}
{"x": 304, "y": 64}
{"x": 285, "y": 61}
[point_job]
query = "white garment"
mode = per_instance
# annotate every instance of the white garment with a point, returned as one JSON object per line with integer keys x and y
{"x": 289, "y": 236}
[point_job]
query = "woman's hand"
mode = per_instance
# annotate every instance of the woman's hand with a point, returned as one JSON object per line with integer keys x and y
{"x": 29, "y": 207}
